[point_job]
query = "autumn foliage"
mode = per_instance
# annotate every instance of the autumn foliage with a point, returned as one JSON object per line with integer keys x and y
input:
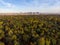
{"x": 30, "y": 30}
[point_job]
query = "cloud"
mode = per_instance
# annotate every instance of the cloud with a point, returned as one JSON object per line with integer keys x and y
{"x": 4, "y": 10}
{"x": 48, "y": 6}
{"x": 10, "y": 5}
{"x": 44, "y": 6}
{"x": 40, "y": 3}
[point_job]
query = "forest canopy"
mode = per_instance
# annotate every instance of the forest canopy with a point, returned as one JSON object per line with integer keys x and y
{"x": 30, "y": 30}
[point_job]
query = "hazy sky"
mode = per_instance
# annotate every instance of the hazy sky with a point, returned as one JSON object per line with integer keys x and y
{"x": 44, "y": 6}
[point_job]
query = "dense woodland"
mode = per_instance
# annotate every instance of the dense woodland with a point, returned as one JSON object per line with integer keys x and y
{"x": 30, "y": 30}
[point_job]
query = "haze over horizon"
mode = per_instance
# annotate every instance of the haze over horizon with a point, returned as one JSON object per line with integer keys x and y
{"x": 43, "y": 6}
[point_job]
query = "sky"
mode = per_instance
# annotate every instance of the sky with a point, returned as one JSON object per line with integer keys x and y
{"x": 43, "y": 6}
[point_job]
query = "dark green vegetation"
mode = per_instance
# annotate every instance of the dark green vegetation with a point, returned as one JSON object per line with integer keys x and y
{"x": 30, "y": 30}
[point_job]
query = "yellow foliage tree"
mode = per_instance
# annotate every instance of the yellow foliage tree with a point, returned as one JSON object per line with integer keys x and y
{"x": 41, "y": 41}
{"x": 1, "y": 34}
{"x": 1, "y": 43}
